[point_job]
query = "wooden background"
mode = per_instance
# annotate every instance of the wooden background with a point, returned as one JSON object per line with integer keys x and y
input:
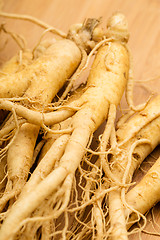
{"x": 144, "y": 27}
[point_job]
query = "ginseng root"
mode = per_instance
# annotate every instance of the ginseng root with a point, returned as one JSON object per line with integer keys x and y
{"x": 105, "y": 86}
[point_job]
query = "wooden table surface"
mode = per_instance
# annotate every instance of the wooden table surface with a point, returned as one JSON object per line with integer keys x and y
{"x": 144, "y": 27}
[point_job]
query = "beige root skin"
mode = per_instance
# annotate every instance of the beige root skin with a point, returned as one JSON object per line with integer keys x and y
{"x": 81, "y": 34}
{"x": 138, "y": 121}
{"x": 15, "y": 85}
{"x": 142, "y": 140}
{"x": 50, "y": 138}
{"x": 17, "y": 176}
{"x": 45, "y": 166}
{"x": 84, "y": 34}
{"x": 89, "y": 107}
{"x": 52, "y": 67}
{"x": 114, "y": 98}
{"x": 117, "y": 218}
{"x": 107, "y": 75}
{"x": 98, "y": 219}
{"x": 45, "y": 213}
{"x": 16, "y": 63}
{"x": 53, "y": 52}
{"x": 138, "y": 197}
{"x": 47, "y": 163}
{"x": 150, "y": 133}
{"x": 117, "y": 28}
{"x": 38, "y": 118}
{"x": 44, "y": 92}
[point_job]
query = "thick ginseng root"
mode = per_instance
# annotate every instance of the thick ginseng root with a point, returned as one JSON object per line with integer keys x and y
{"x": 15, "y": 85}
{"x": 18, "y": 165}
{"x": 56, "y": 65}
{"x": 137, "y": 198}
{"x": 106, "y": 84}
{"x": 18, "y": 63}
{"x": 136, "y": 139}
{"x": 48, "y": 212}
{"x": 52, "y": 152}
{"x": 15, "y": 64}
{"x": 85, "y": 37}
{"x": 43, "y": 87}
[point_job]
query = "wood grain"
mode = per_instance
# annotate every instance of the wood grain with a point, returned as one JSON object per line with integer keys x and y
{"x": 144, "y": 44}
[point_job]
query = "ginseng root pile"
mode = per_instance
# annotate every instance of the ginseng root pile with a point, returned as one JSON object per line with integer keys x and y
{"x": 59, "y": 181}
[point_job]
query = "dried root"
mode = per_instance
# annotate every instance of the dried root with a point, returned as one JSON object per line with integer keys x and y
{"x": 63, "y": 188}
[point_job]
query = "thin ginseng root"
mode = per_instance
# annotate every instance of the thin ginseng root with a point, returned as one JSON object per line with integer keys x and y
{"x": 35, "y": 90}
{"x": 73, "y": 134}
{"x": 15, "y": 188}
{"x": 70, "y": 58}
{"x": 82, "y": 34}
{"x": 80, "y": 31}
{"x": 85, "y": 32}
{"x": 57, "y": 203}
{"x": 142, "y": 187}
{"x": 147, "y": 112}
{"x": 122, "y": 164}
{"x": 17, "y": 38}
{"x": 16, "y": 160}
{"x": 94, "y": 110}
{"x": 33, "y": 20}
